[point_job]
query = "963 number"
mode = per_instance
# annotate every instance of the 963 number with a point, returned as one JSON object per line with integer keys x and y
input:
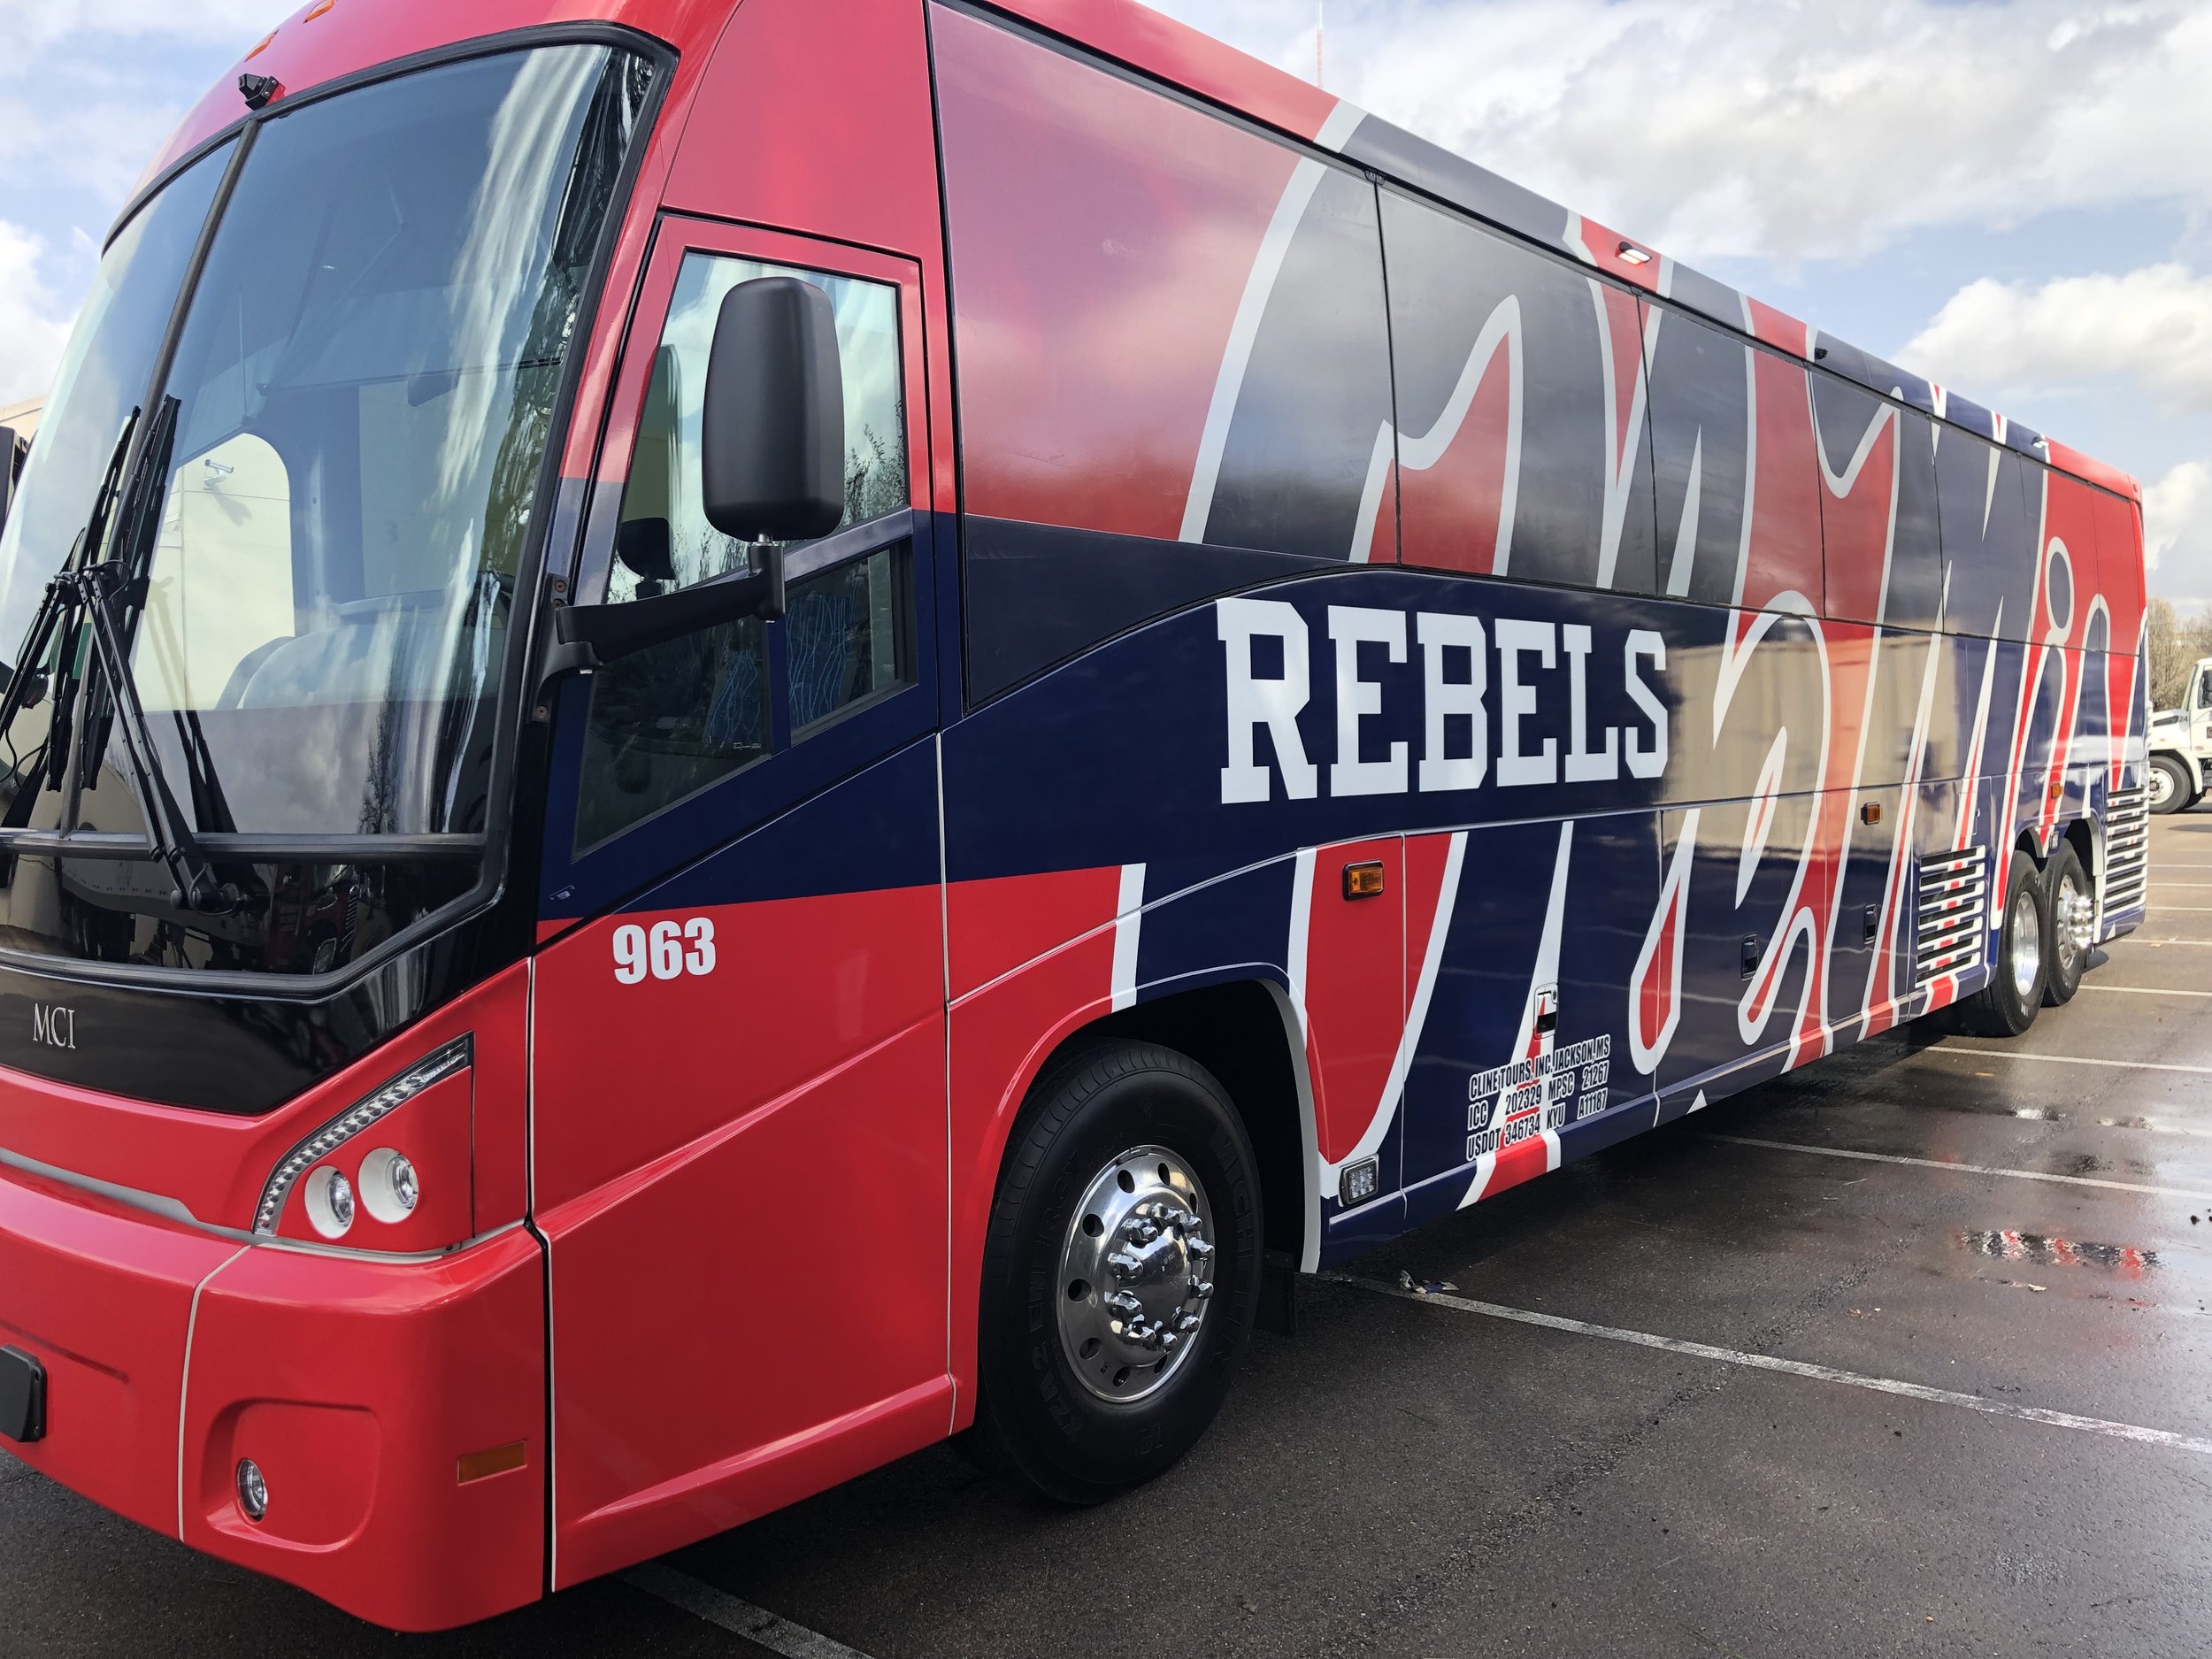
{"x": 669, "y": 951}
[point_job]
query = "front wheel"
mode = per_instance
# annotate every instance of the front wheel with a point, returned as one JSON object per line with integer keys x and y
{"x": 2007, "y": 1005}
{"x": 2169, "y": 782}
{"x": 2073, "y": 927}
{"x": 1121, "y": 1273}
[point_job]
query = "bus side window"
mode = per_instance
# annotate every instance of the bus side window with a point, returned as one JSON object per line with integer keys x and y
{"x": 1857, "y": 528}
{"x": 1472, "y": 314}
{"x": 1701, "y": 426}
{"x": 1128, "y": 447}
{"x": 1989, "y": 529}
{"x": 670, "y": 721}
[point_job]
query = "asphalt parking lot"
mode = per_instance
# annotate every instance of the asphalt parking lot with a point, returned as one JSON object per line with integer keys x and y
{"x": 1908, "y": 1353}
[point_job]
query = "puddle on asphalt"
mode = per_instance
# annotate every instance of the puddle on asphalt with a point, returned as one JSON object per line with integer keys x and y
{"x": 2152, "y": 1127}
{"x": 2041, "y": 1251}
{"x": 1971, "y": 1108}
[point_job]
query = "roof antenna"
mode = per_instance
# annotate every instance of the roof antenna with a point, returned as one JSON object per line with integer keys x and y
{"x": 1320, "y": 10}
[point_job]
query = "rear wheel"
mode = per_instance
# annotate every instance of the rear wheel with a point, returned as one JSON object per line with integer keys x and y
{"x": 2073, "y": 927}
{"x": 1121, "y": 1273}
{"x": 2169, "y": 782}
{"x": 2009, "y": 1003}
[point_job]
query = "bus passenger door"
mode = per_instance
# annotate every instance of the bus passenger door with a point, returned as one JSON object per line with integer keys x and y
{"x": 738, "y": 1037}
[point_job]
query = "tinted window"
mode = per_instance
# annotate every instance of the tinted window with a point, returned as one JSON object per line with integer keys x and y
{"x": 1522, "y": 442}
{"x": 2120, "y": 568}
{"x": 103, "y": 378}
{"x": 1916, "y": 569}
{"x": 1169, "y": 328}
{"x": 1701, "y": 427}
{"x": 663, "y": 497}
{"x": 1880, "y": 536}
{"x": 1783, "y": 569}
{"x": 669, "y": 721}
{"x": 1988, "y": 537}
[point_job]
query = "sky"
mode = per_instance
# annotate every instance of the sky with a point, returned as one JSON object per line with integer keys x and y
{"x": 2010, "y": 196}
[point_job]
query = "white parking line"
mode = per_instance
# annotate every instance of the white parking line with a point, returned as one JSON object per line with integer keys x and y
{"x": 2140, "y": 940}
{"x": 1960, "y": 1169}
{"x": 2157, "y": 883}
{"x": 2181, "y": 910}
{"x": 2138, "y": 990}
{"x": 1791, "y": 1367}
{"x": 755, "y": 1624}
{"x": 2068, "y": 1059}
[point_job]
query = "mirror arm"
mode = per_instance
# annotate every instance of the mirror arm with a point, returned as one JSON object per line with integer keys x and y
{"x": 585, "y": 637}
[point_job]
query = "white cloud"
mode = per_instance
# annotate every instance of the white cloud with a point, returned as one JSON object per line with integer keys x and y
{"x": 130, "y": 67}
{"x": 2177, "y": 534}
{"x": 37, "y": 321}
{"x": 2153, "y": 327}
{"x": 38, "y": 23}
{"x": 1783, "y": 131}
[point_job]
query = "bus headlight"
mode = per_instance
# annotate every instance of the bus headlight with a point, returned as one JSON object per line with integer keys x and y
{"x": 330, "y": 1202}
{"x": 390, "y": 1185}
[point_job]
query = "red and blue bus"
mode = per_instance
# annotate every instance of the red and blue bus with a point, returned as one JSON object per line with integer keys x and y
{"x": 748, "y": 733}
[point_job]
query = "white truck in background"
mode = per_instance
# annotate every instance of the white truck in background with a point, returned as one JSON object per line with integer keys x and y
{"x": 2181, "y": 746}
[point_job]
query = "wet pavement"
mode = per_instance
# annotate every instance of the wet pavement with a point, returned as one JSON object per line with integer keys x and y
{"x": 1910, "y": 1353}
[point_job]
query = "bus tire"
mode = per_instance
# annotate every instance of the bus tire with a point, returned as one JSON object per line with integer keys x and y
{"x": 1121, "y": 1273}
{"x": 2170, "y": 787}
{"x": 2073, "y": 928}
{"x": 2007, "y": 1005}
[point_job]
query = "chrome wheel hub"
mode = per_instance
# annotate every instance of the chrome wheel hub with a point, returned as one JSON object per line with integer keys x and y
{"x": 2077, "y": 922}
{"x": 1136, "y": 1274}
{"x": 2161, "y": 786}
{"x": 2024, "y": 944}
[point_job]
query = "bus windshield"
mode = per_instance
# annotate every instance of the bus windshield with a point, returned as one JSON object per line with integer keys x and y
{"x": 310, "y": 560}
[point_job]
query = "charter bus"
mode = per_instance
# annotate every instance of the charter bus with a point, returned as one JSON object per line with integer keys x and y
{"x": 743, "y": 734}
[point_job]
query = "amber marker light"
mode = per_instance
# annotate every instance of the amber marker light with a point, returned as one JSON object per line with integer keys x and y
{"x": 1362, "y": 881}
{"x": 500, "y": 1459}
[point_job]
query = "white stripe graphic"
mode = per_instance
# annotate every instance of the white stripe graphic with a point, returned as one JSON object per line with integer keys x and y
{"x": 1128, "y": 925}
{"x": 1791, "y": 1367}
{"x": 1301, "y": 930}
{"x": 1305, "y": 179}
{"x": 1674, "y": 899}
{"x": 1620, "y": 457}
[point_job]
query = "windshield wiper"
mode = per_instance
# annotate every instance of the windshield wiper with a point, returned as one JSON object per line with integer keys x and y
{"x": 85, "y": 595}
{"x": 28, "y": 684}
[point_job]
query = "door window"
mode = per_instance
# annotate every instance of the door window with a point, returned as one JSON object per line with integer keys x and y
{"x": 670, "y": 721}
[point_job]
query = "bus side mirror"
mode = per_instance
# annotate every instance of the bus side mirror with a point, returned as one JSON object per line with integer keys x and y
{"x": 772, "y": 431}
{"x": 772, "y": 470}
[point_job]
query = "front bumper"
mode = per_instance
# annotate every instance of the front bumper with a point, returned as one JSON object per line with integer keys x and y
{"x": 364, "y": 1389}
